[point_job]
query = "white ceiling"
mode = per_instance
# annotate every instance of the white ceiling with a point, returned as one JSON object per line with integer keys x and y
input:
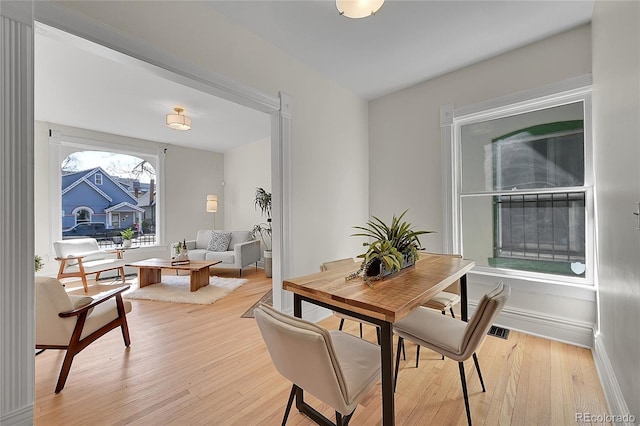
{"x": 406, "y": 42}
{"x": 84, "y": 85}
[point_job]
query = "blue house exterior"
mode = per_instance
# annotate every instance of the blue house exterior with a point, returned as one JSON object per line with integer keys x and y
{"x": 95, "y": 196}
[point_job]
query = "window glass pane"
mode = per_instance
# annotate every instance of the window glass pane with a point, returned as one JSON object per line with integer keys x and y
{"x": 539, "y": 149}
{"x": 108, "y": 192}
{"x": 540, "y": 233}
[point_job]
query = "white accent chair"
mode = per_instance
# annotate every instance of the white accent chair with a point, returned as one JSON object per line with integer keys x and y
{"x": 454, "y": 339}
{"x": 71, "y": 323}
{"x": 80, "y": 257}
{"x": 337, "y": 368}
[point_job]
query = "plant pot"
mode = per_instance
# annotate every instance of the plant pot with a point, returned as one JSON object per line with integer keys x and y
{"x": 267, "y": 263}
{"x": 126, "y": 243}
{"x": 374, "y": 268}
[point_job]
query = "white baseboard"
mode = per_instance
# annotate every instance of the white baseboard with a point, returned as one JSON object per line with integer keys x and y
{"x": 609, "y": 382}
{"x": 21, "y": 417}
{"x": 549, "y": 327}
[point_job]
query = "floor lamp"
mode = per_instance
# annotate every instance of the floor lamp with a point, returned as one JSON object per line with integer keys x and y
{"x": 212, "y": 207}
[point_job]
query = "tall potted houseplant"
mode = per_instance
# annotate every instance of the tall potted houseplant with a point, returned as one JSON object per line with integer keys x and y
{"x": 263, "y": 230}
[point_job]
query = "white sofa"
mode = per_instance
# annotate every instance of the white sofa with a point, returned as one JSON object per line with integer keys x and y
{"x": 243, "y": 249}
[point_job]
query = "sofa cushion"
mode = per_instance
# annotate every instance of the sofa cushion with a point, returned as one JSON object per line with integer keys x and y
{"x": 239, "y": 237}
{"x": 226, "y": 257}
{"x": 219, "y": 241}
{"x": 202, "y": 239}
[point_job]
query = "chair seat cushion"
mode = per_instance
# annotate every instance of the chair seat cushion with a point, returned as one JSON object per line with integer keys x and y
{"x": 433, "y": 330}
{"x": 360, "y": 364}
{"x": 102, "y": 314}
{"x": 442, "y": 301}
{"x": 96, "y": 266}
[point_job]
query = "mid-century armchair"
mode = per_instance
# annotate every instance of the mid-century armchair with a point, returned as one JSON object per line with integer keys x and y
{"x": 80, "y": 257}
{"x": 71, "y": 323}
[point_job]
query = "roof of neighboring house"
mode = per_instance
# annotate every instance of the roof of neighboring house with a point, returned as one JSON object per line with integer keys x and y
{"x": 124, "y": 206}
{"x": 73, "y": 179}
{"x": 143, "y": 200}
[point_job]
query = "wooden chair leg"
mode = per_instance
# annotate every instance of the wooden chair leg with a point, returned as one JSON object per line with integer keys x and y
{"x": 464, "y": 391}
{"x": 122, "y": 274}
{"x": 84, "y": 283}
{"x": 124, "y": 327}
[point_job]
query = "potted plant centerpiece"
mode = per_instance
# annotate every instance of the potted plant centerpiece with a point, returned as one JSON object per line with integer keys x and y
{"x": 390, "y": 247}
{"x": 263, "y": 230}
{"x": 127, "y": 236}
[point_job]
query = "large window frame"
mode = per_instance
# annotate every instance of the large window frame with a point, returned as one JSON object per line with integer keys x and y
{"x": 520, "y": 104}
{"x": 62, "y": 145}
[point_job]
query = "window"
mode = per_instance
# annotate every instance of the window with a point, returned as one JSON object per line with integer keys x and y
{"x": 115, "y": 190}
{"x": 83, "y": 215}
{"x": 525, "y": 187}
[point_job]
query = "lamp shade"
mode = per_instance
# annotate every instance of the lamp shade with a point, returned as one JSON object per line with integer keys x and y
{"x": 212, "y": 203}
{"x": 358, "y": 8}
{"x": 178, "y": 121}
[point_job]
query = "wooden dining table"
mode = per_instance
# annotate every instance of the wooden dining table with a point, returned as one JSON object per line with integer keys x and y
{"x": 386, "y": 302}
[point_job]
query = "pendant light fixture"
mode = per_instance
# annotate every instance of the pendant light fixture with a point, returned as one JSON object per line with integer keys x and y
{"x": 358, "y": 8}
{"x": 178, "y": 121}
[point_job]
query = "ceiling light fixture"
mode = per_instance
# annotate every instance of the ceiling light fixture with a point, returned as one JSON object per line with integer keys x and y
{"x": 358, "y": 8}
{"x": 178, "y": 121}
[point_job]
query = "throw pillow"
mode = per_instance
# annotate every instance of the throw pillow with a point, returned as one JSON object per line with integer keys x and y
{"x": 219, "y": 241}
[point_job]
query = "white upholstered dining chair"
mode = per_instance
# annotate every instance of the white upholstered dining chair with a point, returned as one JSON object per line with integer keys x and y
{"x": 452, "y": 338}
{"x": 337, "y": 368}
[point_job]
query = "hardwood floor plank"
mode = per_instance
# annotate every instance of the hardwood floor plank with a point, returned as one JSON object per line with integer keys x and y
{"x": 204, "y": 365}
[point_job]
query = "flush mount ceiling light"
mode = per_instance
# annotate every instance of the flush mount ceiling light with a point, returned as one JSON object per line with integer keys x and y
{"x": 178, "y": 121}
{"x": 358, "y": 8}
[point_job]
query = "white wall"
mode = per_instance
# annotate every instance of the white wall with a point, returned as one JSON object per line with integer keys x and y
{"x": 404, "y": 126}
{"x": 245, "y": 169}
{"x": 329, "y": 167}
{"x": 406, "y": 171}
{"x": 616, "y": 108}
{"x": 189, "y": 175}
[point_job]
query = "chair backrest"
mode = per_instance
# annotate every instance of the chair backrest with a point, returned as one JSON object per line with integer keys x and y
{"x": 488, "y": 309}
{"x": 303, "y": 353}
{"x": 326, "y": 266}
{"x": 79, "y": 246}
{"x": 51, "y": 299}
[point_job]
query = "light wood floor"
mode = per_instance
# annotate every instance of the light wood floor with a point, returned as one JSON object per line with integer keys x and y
{"x": 204, "y": 365}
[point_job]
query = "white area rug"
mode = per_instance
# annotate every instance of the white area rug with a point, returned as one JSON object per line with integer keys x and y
{"x": 175, "y": 288}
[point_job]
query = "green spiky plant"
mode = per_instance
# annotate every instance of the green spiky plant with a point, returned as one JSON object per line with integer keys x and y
{"x": 390, "y": 246}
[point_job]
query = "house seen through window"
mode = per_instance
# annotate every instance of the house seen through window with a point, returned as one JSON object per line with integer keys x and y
{"x": 523, "y": 197}
{"x": 104, "y": 193}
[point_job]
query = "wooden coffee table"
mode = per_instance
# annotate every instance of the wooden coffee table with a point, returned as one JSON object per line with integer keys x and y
{"x": 150, "y": 271}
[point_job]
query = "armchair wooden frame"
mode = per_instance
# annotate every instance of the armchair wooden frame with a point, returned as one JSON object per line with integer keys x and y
{"x": 76, "y": 344}
{"x": 81, "y": 273}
